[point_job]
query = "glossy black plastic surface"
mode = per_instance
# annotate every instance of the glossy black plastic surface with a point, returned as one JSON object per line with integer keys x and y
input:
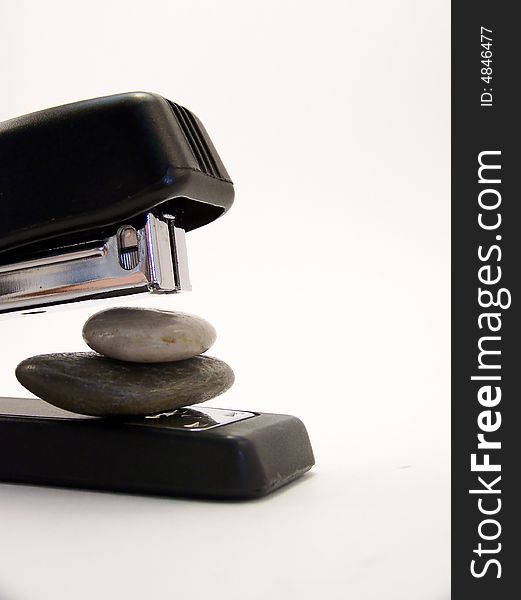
{"x": 241, "y": 459}
{"x": 93, "y": 164}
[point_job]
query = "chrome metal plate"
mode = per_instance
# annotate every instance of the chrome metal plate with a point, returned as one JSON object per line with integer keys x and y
{"x": 187, "y": 419}
{"x": 149, "y": 259}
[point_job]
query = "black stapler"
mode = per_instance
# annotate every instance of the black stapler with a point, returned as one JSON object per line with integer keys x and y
{"x": 95, "y": 201}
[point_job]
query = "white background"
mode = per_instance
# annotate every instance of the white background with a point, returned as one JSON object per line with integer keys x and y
{"x": 328, "y": 283}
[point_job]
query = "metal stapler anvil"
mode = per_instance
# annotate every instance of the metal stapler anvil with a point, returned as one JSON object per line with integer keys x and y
{"x": 96, "y": 197}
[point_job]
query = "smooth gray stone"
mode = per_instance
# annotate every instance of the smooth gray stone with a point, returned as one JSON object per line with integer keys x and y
{"x": 90, "y": 384}
{"x": 147, "y": 335}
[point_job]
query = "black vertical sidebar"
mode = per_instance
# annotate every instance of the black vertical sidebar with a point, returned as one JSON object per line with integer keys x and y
{"x": 486, "y": 300}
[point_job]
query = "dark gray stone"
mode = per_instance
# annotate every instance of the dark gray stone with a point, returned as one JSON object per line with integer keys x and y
{"x": 90, "y": 384}
{"x": 146, "y": 335}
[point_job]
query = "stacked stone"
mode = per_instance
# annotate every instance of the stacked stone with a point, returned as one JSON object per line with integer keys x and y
{"x": 145, "y": 361}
